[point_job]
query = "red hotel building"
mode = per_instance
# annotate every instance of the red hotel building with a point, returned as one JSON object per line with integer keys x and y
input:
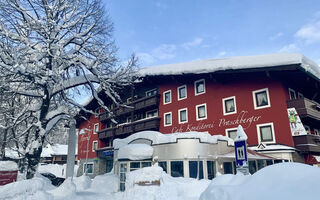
{"x": 216, "y": 96}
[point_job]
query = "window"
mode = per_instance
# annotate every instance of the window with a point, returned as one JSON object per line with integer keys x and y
{"x": 211, "y": 167}
{"x": 94, "y": 145}
{"x": 88, "y": 168}
{"x": 316, "y": 132}
{"x": 261, "y": 98}
{"x": 201, "y": 112}
{"x": 168, "y": 119}
{"x": 227, "y": 168}
{"x": 177, "y": 169}
{"x": 292, "y": 94}
{"x": 196, "y": 169}
{"x": 183, "y": 115}
{"x": 229, "y": 105}
{"x": 152, "y": 113}
{"x": 163, "y": 165}
{"x": 300, "y": 95}
{"x": 167, "y": 97}
{"x": 269, "y": 162}
{"x": 199, "y": 87}
{"x": 260, "y": 164}
{"x": 151, "y": 92}
{"x": 231, "y": 133}
{"x": 252, "y": 167}
{"x": 307, "y": 129}
{"x": 96, "y": 128}
{"x": 182, "y": 92}
{"x": 266, "y": 133}
{"x": 138, "y": 165}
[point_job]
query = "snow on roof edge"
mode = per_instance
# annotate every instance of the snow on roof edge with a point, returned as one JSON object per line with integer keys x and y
{"x": 159, "y": 138}
{"x": 234, "y": 63}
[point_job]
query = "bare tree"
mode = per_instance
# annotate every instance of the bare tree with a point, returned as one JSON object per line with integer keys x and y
{"x": 49, "y": 50}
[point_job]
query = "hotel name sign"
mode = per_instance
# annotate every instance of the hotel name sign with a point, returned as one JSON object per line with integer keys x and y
{"x": 243, "y": 119}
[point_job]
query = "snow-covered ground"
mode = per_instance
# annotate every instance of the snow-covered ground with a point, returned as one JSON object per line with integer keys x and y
{"x": 281, "y": 181}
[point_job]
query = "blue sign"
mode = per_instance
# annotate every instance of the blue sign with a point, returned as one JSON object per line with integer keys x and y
{"x": 241, "y": 153}
{"x": 108, "y": 153}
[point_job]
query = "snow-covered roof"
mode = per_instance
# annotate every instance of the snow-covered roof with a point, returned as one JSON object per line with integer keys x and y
{"x": 159, "y": 138}
{"x": 135, "y": 152}
{"x": 8, "y": 166}
{"x": 234, "y": 63}
{"x": 56, "y": 149}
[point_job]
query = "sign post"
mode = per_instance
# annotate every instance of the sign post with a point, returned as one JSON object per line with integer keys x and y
{"x": 240, "y": 149}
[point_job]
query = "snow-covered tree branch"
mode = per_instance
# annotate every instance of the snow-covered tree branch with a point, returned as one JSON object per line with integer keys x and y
{"x": 48, "y": 48}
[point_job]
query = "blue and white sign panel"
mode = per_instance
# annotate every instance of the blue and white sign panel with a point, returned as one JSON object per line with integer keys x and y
{"x": 241, "y": 156}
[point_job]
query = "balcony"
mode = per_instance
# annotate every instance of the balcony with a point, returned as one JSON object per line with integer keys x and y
{"x": 305, "y": 108}
{"x": 137, "y": 105}
{"x": 141, "y": 125}
{"x": 307, "y": 143}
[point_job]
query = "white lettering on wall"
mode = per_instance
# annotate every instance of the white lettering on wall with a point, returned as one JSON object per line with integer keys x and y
{"x": 243, "y": 119}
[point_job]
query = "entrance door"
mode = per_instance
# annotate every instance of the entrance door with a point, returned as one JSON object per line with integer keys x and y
{"x": 109, "y": 165}
{"x": 123, "y": 171}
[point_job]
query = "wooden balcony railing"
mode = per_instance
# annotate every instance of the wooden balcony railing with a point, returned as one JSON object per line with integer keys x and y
{"x": 307, "y": 143}
{"x": 305, "y": 108}
{"x": 139, "y": 104}
{"x": 141, "y": 125}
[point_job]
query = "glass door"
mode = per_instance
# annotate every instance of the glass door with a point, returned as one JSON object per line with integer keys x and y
{"x": 123, "y": 171}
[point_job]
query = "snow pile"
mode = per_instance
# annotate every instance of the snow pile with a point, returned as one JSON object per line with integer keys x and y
{"x": 82, "y": 183}
{"x": 241, "y": 135}
{"x": 159, "y": 138}
{"x": 100, "y": 182}
{"x": 8, "y": 166}
{"x": 27, "y": 189}
{"x": 66, "y": 189}
{"x": 169, "y": 188}
{"x": 292, "y": 181}
{"x": 135, "y": 152}
{"x": 146, "y": 174}
{"x": 234, "y": 63}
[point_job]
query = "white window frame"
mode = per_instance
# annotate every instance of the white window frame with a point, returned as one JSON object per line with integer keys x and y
{"x": 84, "y": 168}
{"x": 224, "y": 105}
{"x": 229, "y": 129}
{"x": 259, "y": 134}
{"x": 94, "y": 128}
{"x": 183, "y": 86}
{"x": 93, "y": 142}
{"x": 254, "y": 98}
{"x": 183, "y": 109}
{"x": 195, "y": 87}
{"x": 316, "y": 131}
{"x": 294, "y": 92}
{"x": 152, "y": 111}
{"x": 197, "y": 116}
{"x": 164, "y": 97}
{"x": 300, "y": 95}
{"x": 155, "y": 89}
{"x": 164, "y": 118}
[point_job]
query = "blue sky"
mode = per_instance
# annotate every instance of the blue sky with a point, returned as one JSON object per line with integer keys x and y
{"x": 168, "y": 31}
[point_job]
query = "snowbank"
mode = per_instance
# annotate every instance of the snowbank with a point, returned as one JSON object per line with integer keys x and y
{"x": 169, "y": 189}
{"x": 159, "y": 138}
{"x": 108, "y": 183}
{"x": 8, "y": 166}
{"x": 292, "y": 181}
{"x": 27, "y": 189}
{"x": 135, "y": 152}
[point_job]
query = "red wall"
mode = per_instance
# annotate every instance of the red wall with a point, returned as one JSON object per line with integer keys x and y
{"x": 83, "y": 139}
{"x": 215, "y": 92}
